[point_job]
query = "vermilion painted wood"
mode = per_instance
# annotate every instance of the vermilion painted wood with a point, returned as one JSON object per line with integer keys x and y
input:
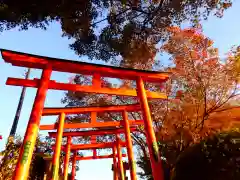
{"x": 80, "y": 158}
{"x": 57, "y": 151}
{"x": 94, "y": 120}
{"x": 39, "y": 62}
{"x": 77, "y": 110}
{"x": 119, "y": 154}
{"x": 93, "y": 140}
{"x": 130, "y": 153}
{"x": 97, "y": 157}
{"x": 94, "y": 117}
{"x": 93, "y": 146}
{"x": 67, "y": 157}
{"x": 26, "y": 151}
{"x": 154, "y": 155}
{"x": 93, "y": 132}
{"x": 115, "y": 170}
{"x": 96, "y": 80}
{"x": 98, "y": 71}
{"x": 74, "y": 161}
{"x": 91, "y": 125}
{"x": 88, "y": 89}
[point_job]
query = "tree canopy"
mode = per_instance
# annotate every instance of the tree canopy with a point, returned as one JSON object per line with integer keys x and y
{"x": 215, "y": 158}
{"x": 205, "y": 91}
{"x": 110, "y": 29}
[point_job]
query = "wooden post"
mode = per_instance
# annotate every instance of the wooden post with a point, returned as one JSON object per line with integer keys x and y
{"x": 58, "y": 145}
{"x": 120, "y": 163}
{"x": 93, "y": 137}
{"x": 94, "y": 141}
{"x": 67, "y": 157}
{"x": 115, "y": 170}
{"x": 131, "y": 161}
{"x": 155, "y": 157}
{"x": 74, "y": 161}
{"x": 26, "y": 151}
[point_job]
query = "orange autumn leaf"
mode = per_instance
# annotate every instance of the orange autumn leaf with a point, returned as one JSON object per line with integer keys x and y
{"x": 207, "y": 84}
{"x": 173, "y": 29}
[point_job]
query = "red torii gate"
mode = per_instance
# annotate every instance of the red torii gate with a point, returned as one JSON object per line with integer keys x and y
{"x": 95, "y": 146}
{"x": 60, "y": 126}
{"x": 105, "y": 145}
{"x": 44, "y": 83}
{"x": 68, "y": 147}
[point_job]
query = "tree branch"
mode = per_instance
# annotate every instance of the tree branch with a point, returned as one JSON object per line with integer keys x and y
{"x": 226, "y": 109}
{"x": 95, "y": 23}
{"x": 151, "y": 16}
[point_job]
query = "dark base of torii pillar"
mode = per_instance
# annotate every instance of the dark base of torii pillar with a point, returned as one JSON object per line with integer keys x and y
{"x": 126, "y": 167}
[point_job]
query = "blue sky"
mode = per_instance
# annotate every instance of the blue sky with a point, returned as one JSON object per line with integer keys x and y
{"x": 224, "y": 32}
